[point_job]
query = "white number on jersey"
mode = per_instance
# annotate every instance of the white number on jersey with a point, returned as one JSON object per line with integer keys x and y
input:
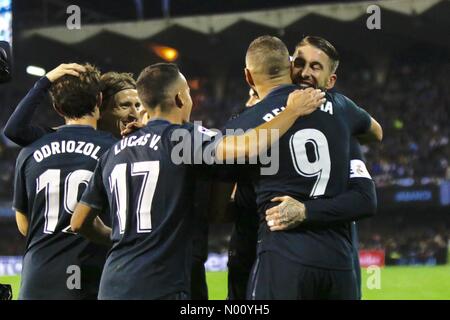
{"x": 149, "y": 171}
{"x": 49, "y": 181}
{"x": 320, "y": 167}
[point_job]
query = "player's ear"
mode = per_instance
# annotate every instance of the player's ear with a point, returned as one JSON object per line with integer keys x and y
{"x": 249, "y": 78}
{"x": 96, "y": 112}
{"x": 58, "y": 110}
{"x": 99, "y": 99}
{"x": 179, "y": 100}
{"x": 291, "y": 68}
{"x": 331, "y": 81}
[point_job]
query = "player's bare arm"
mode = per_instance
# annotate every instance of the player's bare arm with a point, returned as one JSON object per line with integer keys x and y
{"x": 300, "y": 103}
{"x": 86, "y": 222}
{"x": 63, "y": 69}
{"x": 22, "y": 223}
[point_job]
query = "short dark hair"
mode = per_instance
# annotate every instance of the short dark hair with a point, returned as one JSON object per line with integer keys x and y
{"x": 112, "y": 83}
{"x": 270, "y": 54}
{"x": 153, "y": 82}
{"x": 76, "y": 97}
{"x": 324, "y": 45}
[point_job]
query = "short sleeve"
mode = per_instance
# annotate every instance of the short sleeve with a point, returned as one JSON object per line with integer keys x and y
{"x": 20, "y": 198}
{"x": 358, "y": 119}
{"x": 358, "y": 168}
{"x": 95, "y": 194}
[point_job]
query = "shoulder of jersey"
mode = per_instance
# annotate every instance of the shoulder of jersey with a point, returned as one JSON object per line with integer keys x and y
{"x": 39, "y": 142}
{"x": 165, "y": 130}
{"x": 338, "y": 99}
{"x": 246, "y": 110}
{"x": 24, "y": 154}
{"x": 255, "y": 109}
{"x": 28, "y": 150}
{"x": 107, "y": 136}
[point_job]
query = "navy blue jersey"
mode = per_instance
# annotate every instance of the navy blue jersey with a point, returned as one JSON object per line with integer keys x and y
{"x": 151, "y": 199}
{"x": 51, "y": 175}
{"x": 314, "y": 164}
{"x": 345, "y": 207}
{"x": 19, "y": 128}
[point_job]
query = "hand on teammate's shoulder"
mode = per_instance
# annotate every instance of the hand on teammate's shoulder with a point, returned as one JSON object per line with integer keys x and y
{"x": 305, "y": 101}
{"x": 131, "y": 127}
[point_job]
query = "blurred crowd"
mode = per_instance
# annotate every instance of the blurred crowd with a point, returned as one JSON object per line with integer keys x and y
{"x": 416, "y": 247}
{"x": 408, "y": 237}
{"x": 413, "y": 106}
{"x": 12, "y": 243}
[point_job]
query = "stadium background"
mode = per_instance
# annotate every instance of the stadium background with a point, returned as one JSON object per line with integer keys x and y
{"x": 398, "y": 73}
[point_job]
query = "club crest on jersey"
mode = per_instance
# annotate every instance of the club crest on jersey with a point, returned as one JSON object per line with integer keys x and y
{"x": 206, "y": 131}
{"x": 358, "y": 169}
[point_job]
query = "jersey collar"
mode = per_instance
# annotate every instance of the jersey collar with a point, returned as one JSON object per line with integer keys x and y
{"x": 280, "y": 89}
{"x": 75, "y": 126}
{"x": 157, "y": 121}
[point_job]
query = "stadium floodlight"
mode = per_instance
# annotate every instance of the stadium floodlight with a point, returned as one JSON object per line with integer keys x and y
{"x": 167, "y": 53}
{"x": 36, "y": 71}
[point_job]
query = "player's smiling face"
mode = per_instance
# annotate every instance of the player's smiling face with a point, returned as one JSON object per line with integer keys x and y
{"x": 125, "y": 109}
{"x": 311, "y": 68}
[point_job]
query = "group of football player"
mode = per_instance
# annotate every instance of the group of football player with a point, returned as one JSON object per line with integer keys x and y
{"x": 123, "y": 219}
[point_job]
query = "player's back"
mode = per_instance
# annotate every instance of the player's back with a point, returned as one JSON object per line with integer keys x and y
{"x": 151, "y": 199}
{"x": 50, "y": 177}
{"x": 313, "y": 162}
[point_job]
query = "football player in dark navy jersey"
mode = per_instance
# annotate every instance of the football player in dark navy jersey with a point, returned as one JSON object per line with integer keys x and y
{"x": 50, "y": 175}
{"x": 120, "y": 107}
{"x": 309, "y": 58}
{"x": 149, "y": 193}
{"x": 345, "y": 207}
{"x": 243, "y": 242}
{"x": 354, "y": 121}
{"x": 243, "y": 238}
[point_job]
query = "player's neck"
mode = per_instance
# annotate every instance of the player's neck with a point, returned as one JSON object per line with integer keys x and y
{"x": 172, "y": 117}
{"x": 266, "y": 87}
{"x": 85, "y": 121}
